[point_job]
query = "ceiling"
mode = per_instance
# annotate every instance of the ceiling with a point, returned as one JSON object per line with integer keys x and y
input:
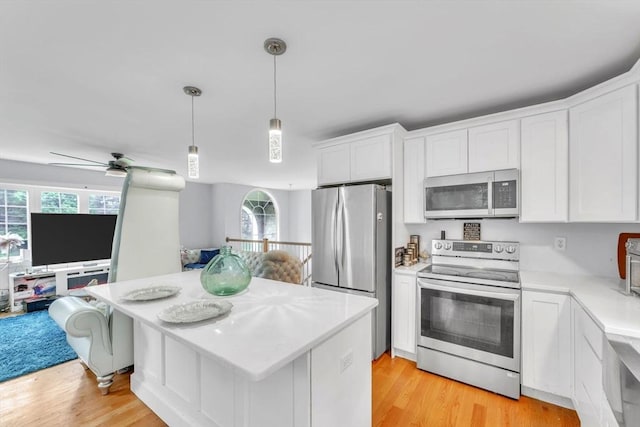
{"x": 87, "y": 78}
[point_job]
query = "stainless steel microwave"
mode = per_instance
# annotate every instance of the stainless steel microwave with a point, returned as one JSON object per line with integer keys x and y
{"x": 473, "y": 195}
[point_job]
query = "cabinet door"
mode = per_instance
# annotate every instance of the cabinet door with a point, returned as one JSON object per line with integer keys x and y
{"x": 495, "y": 146}
{"x": 603, "y": 158}
{"x": 334, "y": 165}
{"x": 447, "y": 153}
{"x": 546, "y": 342}
{"x": 544, "y": 168}
{"x": 414, "y": 162}
{"x": 588, "y": 389}
{"x": 371, "y": 158}
{"x": 404, "y": 314}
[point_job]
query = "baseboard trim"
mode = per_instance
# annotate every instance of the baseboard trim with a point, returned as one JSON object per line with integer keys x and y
{"x": 565, "y": 402}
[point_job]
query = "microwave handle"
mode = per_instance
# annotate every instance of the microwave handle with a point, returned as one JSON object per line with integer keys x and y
{"x": 627, "y": 282}
{"x": 490, "y": 179}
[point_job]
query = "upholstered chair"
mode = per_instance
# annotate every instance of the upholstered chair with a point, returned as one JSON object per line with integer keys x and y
{"x": 146, "y": 243}
{"x": 278, "y": 265}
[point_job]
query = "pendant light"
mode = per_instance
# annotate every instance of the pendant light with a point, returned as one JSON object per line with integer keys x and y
{"x": 275, "y": 47}
{"x": 193, "y": 165}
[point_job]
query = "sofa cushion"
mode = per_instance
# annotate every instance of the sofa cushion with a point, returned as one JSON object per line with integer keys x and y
{"x": 206, "y": 256}
{"x": 193, "y": 266}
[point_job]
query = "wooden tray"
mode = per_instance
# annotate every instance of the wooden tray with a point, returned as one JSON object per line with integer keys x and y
{"x": 622, "y": 251}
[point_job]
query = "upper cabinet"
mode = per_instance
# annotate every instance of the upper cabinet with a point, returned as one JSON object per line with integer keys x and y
{"x": 476, "y": 149}
{"x": 447, "y": 153}
{"x": 360, "y": 157}
{"x": 603, "y": 158}
{"x": 371, "y": 158}
{"x": 495, "y": 146}
{"x": 413, "y": 173}
{"x": 544, "y": 168}
{"x": 334, "y": 164}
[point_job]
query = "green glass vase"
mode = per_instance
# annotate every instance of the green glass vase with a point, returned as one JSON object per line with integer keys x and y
{"x": 226, "y": 274}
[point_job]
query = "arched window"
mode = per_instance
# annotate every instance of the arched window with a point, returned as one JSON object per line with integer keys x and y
{"x": 258, "y": 217}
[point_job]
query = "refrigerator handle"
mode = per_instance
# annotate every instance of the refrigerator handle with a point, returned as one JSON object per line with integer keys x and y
{"x": 340, "y": 236}
{"x": 335, "y": 235}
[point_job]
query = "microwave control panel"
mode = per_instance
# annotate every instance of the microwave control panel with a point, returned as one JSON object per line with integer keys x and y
{"x": 505, "y": 194}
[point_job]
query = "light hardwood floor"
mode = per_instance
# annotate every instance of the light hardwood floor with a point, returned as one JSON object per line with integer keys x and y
{"x": 66, "y": 395}
{"x": 406, "y": 396}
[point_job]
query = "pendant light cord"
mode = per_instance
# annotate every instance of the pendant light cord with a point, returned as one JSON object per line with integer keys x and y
{"x": 275, "y": 111}
{"x": 193, "y": 138}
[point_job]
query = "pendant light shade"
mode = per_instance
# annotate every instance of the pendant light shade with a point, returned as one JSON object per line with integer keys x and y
{"x": 275, "y": 141}
{"x": 275, "y": 47}
{"x": 193, "y": 162}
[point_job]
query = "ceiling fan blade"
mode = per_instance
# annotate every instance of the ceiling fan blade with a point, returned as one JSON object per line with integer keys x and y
{"x": 79, "y": 158}
{"x": 79, "y": 164}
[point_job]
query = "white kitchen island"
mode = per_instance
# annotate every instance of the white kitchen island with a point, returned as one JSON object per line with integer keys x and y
{"x": 286, "y": 355}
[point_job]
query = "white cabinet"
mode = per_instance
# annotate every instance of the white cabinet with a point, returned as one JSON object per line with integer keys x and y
{"x": 359, "y": 157}
{"x": 546, "y": 342}
{"x": 603, "y": 159}
{"x": 588, "y": 393}
{"x": 477, "y": 149}
{"x": 447, "y": 153}
{"x": 370, "y": 159}
{"x": 334, "y": 165}
{"x": 403, "y": 315}
{"x": 413, "y": 177}
{"x": 494, "y": 146}
{"x": 544, "y": 168}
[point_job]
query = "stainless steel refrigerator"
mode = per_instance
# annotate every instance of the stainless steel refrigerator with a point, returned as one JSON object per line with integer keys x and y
{"x": 350, "y": 242}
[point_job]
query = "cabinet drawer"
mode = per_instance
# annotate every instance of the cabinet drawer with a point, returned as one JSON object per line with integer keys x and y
{"x": 591, "y": 332}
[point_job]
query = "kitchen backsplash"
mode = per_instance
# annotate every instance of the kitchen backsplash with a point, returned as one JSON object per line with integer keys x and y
{"x": 590, "y": 248}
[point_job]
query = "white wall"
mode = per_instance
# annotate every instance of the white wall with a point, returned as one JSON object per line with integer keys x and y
{"x": 226, "y": 204}
{"x": 300, "y": 216}
{"x": 591, "y": 248}
{"x": 56, "y": 176}
{"x": 208, "y": 212}
{"x": 196, "y": 225}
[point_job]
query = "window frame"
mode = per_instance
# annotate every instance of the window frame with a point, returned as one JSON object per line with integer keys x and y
{"x": 276, "y": 209}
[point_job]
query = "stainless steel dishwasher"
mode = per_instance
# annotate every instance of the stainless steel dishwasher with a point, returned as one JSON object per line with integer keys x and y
{"x": 622, "y": 378}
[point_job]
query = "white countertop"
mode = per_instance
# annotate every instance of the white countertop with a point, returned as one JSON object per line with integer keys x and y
{"x": 614, "y": 312}
{"x": 411, "y": 270}
{"x": 270, "y": 324}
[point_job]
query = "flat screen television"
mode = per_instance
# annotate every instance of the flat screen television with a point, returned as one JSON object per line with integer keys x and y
{"x": 64, "y": 238}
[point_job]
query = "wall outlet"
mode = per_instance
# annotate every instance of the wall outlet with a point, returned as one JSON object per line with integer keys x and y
{"x": 346, "y": 361}
{"x": 560, "y": 243}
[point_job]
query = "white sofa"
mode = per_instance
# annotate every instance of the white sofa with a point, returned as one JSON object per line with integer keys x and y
{"x": 103, "y": 341}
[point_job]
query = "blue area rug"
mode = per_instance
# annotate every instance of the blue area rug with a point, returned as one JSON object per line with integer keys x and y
{"x": 31, "y": 342}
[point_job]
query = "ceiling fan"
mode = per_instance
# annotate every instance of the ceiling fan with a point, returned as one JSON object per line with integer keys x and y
{"x": 116, "y": 167}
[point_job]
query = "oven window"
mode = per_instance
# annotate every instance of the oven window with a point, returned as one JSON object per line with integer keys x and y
{"x": 476, "y": 322}
{"x": 457, "y": 197}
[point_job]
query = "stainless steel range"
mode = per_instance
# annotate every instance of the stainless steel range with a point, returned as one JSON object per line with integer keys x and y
{"x": 469, "y": 314}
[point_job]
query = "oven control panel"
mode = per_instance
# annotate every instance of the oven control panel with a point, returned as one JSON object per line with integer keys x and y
{"x": 476, "y": 249}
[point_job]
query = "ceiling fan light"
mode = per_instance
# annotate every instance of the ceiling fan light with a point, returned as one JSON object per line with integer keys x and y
{"x": 193, "y": 162}
{"x": 275, "y": 141}
{"x": 117, "y": 172}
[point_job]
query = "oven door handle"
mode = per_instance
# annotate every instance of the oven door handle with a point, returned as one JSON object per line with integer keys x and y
{"x": 460, "y": 290}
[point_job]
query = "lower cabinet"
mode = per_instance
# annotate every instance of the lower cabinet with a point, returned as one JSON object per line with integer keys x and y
{"x": 403, "y": 315}
{"x": 562, "y": 353}
{"x": 546, "y": 342}
{"x": 588, "y": 391}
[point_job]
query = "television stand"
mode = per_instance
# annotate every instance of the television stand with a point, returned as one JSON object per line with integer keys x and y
{"x": 50, "y": 282}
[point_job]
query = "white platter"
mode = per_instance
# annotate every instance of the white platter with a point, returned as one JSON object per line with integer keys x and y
{"x": 151, "y": 293}
{"x": 195, "y": 311}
